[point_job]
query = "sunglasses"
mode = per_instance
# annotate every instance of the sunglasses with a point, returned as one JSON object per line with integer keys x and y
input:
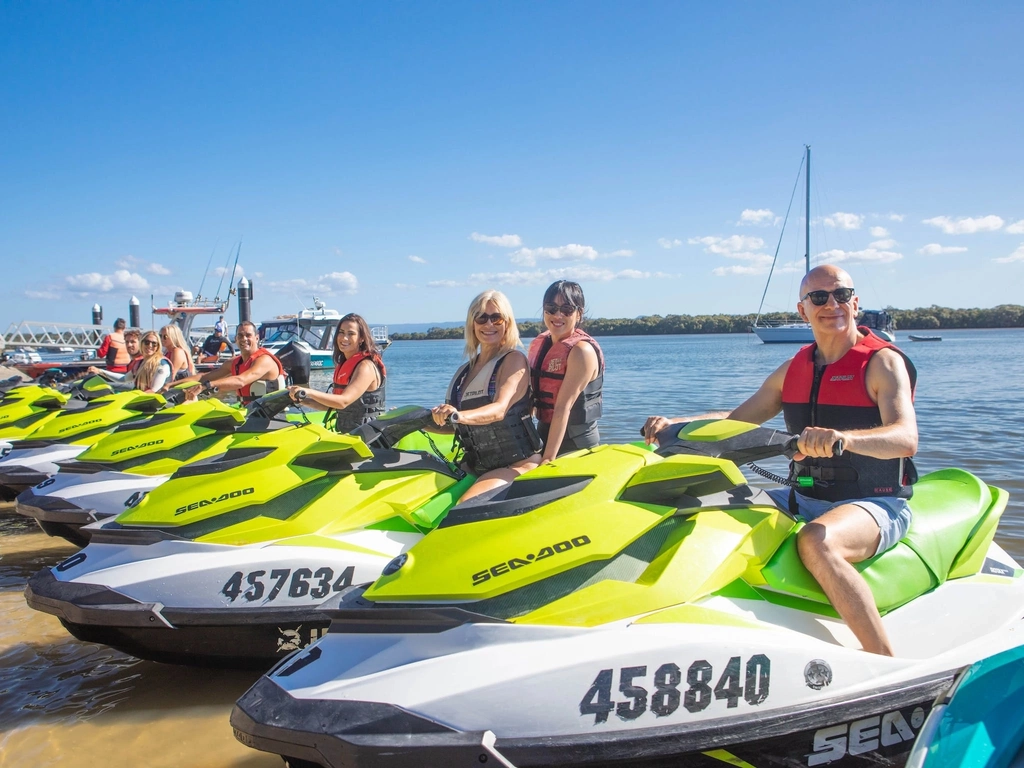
{"x": 560, "y": 309}
{"x": 820, "y": 298}
{"x": 151, "y": 343}
{"x": 483, "y": 318}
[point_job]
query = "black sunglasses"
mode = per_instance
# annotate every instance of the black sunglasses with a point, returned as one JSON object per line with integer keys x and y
{"x": 820, "y": 298}
{"x": 150, "y": 343}
{"x": 560, "y": 309}
{"x": 495, "y": 318}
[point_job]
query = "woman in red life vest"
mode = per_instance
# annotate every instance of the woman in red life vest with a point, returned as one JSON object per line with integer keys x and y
{"x": 567, "y": 372}
{"x": 178, "y": 352}
{"x": 359, "y": 377}
{"x": 488, "y": 402}
{"x": 155, "y": 370}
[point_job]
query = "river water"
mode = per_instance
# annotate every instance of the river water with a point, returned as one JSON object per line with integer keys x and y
{"x": 68, "y": 703}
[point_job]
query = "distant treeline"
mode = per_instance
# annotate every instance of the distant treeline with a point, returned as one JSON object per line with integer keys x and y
{"x": 923, "y": 318}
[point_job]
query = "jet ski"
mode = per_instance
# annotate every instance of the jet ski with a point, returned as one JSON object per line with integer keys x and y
{"x": 70, "y": 432}
{"x": 138, "y": 457}
{"x": 980, "y": 720}
{"x": 25, "y": 408}
{"x": 225, "y": 563}
{"x": 619, "y": 607}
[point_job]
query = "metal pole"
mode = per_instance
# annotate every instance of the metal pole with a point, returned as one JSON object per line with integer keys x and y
{"x": 807, "y": 216}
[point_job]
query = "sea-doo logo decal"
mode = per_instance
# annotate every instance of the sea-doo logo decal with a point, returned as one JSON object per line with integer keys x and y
{"x": 863, "y": 736}
{"x": 322, "y": 584}
{"x": 666, "y": 697}
{"x": 47, "y": 482}
{"x": 216, "y": 500}
{"x": 79, "y": 426}
{"x": 76, "y": 559}
{"x": 817, "y": 674}
{"x": 518, "y": 562}
{"x": 292, "y": 639}
{"x": 996, "y": 568}
{"x": 136, "y": 447}
{"x": 844, "y": 377}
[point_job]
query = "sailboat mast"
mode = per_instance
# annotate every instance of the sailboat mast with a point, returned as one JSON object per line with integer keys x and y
{"x": 807, "y": 215}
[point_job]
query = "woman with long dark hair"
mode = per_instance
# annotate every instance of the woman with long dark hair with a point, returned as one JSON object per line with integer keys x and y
{"x": 567, "y": 372}
{"x": 359, "y": 377}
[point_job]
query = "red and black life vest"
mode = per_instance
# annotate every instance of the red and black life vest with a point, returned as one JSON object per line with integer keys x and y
{"x": 372, "y": 402}
{"x": 116, "y": 355}
{"x": 548, "y": 361}
{"x": 836, "y": 396}
{"x": 238, "y": 366}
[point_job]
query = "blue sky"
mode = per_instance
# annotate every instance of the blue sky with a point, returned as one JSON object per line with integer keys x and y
{"x": 397, "y": 158}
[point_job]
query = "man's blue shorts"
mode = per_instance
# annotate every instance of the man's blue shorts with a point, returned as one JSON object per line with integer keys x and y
{"x": 893, "y": 515}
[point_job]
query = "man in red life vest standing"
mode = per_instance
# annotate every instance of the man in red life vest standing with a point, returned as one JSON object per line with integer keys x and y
{"x": 253, "y": 364}
{"x": 113, "y": 349}
{"x": 853, "y": 387}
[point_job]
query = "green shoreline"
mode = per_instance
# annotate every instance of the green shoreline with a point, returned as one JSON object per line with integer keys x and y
{"x": 921, "y": 319}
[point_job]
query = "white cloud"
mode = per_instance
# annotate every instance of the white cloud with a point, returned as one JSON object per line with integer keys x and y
{"x": 883, "y": 245}
{"x": 544, "y": 276}
{"x": 623, "y": 252}
{"x": 257, "y": 274}
{"x": 727, "y": 246}
{"x": 157, "y": 269}
{"x": 965, "y": 225}
{"x": 502, "y": 241}
{"x": 417, "y": 260}
{"x": 666, "y": 243}
{"x": 879, "y": 232}
{"x": 134, "y": 262}
{"x": 1017, "y": 228}
{"x": 120, "y": 280}
{"x": 934, "y": 249}
{"x": 326, "y": 285}
{"x": 45, "y": 295}
{"x": 222, "y": 271}
{"x": 1017, "y": 255}
{"x": 527, "y": 257}
{"x": 760, "y": 216}
{"x": 738, "y": 270}
{"x": 866, "y": 256}
{"x": 896, "y": 217}
{"x": 405, "y": 286}
{"x": 840, "y": 220}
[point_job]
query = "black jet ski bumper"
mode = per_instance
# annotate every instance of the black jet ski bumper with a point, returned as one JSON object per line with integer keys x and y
{"x": 56, "y": 516}
{"x": 16, "y": 479}
{"x": 238, "y": 638}
{"x": 338, "y": 733}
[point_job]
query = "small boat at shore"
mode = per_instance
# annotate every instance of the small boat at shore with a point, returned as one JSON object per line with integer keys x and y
{"x": 315, "y": 326}
{"x": 919, "y": 337}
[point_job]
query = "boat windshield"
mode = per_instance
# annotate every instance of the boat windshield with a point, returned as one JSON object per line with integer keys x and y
{"x": 285, "y": 333}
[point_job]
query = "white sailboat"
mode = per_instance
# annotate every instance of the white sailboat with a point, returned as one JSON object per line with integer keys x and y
{"x": 879, "y": 321}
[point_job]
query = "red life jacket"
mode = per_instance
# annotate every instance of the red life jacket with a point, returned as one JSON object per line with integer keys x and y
{"x": 370, "y": 404}
{"x": 115, "y": 352}
{"x": 548, "y": 362}
{"x": 238, "y": 365}
{"x": 836, "y": 396}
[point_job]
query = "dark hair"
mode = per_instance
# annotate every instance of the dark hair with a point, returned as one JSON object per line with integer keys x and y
{"x": 569, "y": 292}
{"x": 366, "y": 342}
{"x": 250, "y": 323}
{"x": 119, "y": 324}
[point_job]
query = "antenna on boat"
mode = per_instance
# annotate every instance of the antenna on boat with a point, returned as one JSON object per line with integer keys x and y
{"x": 209, "y": 261}
{"x": 807, "y": 215}
{"x": 792, "y": 197}
{"x": 231, "y": 280}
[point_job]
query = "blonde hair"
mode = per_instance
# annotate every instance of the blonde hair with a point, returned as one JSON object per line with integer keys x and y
{"x": 150, "y": 364}
{"x": 509, "y": 341}
{"x": 176, "y": 338}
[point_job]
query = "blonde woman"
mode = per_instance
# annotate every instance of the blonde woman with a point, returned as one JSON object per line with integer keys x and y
{"x": 488, "y": 402}
{"x": 177, "y": 352}
{"x": 155, "y": 370}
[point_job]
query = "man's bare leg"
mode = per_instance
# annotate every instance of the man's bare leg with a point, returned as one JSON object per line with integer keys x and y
{"x": 828, "y": 547}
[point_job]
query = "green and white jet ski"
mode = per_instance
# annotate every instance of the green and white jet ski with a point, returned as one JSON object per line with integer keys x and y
{"x": 618, "y": 607}
{"x": 25, "y": 408}
{"x": 226, "y": 562}
{"x": 70, "y": 432}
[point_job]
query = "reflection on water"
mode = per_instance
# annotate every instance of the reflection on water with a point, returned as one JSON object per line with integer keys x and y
{"x": 67, "y": 703}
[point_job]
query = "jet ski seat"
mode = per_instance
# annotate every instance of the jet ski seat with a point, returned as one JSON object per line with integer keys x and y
{"x": 955, "y": 517}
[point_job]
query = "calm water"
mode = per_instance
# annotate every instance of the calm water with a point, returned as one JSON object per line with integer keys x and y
{"x": 68, "y": 703}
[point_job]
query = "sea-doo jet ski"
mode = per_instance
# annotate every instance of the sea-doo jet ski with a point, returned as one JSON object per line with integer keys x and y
{"x": 619, "y": 607}
{"x": 226, "y": 562}
{"x": 25, "y": 408}
{"x": 68, "y": 434}
{"x": 138, "y": 457}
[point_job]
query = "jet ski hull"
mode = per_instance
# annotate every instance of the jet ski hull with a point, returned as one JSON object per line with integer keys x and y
{"x": 23, "y": 468}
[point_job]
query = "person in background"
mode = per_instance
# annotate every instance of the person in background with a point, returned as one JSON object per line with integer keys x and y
{"x": 220, "y": 327}
{"x": 252, "y": 368}
{"x": 154, "y": 370}
{"x": 178, "y": 352}
{"x": 488, "y": 403}
{"x": 113, "y": 350}
{"x": 359, "y": 377}
{"x": 131, "y": 344}
{"x": 567, "y": 373}
{"x": 853, "y": 387}
{"x": 214, "y": 346}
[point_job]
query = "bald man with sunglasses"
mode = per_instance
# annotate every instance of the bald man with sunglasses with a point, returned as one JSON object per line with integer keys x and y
{"x": 850, "y": 388}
